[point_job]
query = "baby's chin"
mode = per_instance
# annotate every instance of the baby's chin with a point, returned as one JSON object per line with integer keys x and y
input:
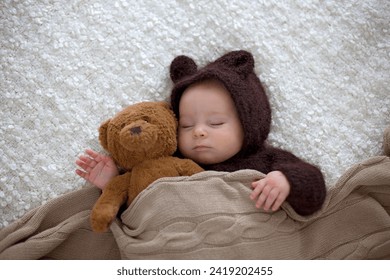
{"x": 199, "y": 159}
{"x": 207, "y": 160}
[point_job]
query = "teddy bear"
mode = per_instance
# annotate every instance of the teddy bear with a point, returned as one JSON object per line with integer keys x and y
{"x": 142, "y": 139}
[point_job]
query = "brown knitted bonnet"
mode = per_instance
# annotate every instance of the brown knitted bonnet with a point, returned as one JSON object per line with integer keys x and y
{"x": 236, "y": 71}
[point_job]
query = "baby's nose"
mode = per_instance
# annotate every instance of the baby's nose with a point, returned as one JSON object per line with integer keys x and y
{"x": 199, "y": 132}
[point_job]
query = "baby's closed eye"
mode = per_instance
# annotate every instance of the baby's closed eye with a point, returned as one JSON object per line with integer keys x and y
{"x": 185, "y": 126}
{"x": 217, "y": 123}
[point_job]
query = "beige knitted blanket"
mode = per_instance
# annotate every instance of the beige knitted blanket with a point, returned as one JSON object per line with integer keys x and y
{"x": 209, "y": 216}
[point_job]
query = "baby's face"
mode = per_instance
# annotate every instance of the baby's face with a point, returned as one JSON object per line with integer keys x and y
{"x": 209, "y": 130}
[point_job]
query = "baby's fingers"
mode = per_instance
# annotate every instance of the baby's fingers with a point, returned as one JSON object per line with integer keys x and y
{"x": 276, "y": 205}
{"x": 81, "y": 164}
{"x": 263, "y": 197}
{"x": 82, "y": 174}
{"x": 278, "y": 202}
{"x": 92, "y": 154}
{"x": 271, "y": 199}
{"x": 258, "y": 187}
{"x": 86, "y": 163}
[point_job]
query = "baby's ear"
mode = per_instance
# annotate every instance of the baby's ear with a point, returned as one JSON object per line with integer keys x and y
{"x": 241, "y": 61}
{"x": 181, "y": 67}
{"x": 103, "y": 134}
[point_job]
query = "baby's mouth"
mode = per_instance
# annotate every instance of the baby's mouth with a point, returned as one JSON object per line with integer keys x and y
{"x": 200, "y": 148}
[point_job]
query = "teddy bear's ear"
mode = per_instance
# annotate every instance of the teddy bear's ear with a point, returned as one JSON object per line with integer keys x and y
{"x": 240, "y": 61}
{"x": 181, "y": 67}
{"x": 103, "y": 134}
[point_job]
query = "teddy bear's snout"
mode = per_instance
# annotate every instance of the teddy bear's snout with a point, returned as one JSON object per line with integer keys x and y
{"x": 135, "y": 130}
{"x": 138, "y": 132}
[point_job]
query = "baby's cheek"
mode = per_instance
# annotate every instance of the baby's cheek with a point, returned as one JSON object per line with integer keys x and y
{"x": 182, "y": 144}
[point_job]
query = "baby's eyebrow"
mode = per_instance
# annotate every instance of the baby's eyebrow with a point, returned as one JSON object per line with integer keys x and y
{"x": 184, "y": 117}
{"x": 218, "y": 115}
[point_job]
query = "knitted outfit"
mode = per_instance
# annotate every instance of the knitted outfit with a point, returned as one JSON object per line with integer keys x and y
{"x": 236, "y": 71}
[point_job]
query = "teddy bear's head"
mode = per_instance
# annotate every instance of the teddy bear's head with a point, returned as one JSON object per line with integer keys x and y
{"x": 145, "y": 130}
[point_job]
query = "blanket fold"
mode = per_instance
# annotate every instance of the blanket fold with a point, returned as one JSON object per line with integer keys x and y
{"x": 58, "y": 229}
{"x": 209, "y": 216}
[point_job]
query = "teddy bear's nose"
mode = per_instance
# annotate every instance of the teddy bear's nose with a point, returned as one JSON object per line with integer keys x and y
{"x": 135, "y": 130}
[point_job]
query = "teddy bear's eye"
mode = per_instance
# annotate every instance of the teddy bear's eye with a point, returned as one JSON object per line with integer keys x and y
{"x": 146, "y": 118}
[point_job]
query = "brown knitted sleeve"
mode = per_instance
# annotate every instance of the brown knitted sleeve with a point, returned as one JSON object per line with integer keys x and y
{"x": 308, "y": 188}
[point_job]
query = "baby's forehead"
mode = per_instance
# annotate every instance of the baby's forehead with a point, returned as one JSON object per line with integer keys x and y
{"x": 211, "y": 90}
{"x": 207, "y": 83}
{"x": 207, "y": 97}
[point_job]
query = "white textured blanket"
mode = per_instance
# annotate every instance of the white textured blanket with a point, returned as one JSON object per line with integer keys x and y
{"x": 68, "y": 65}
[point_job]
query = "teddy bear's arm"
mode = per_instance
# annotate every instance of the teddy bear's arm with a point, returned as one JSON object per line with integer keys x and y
{"x": 108, "y": 204}
{"x": 187, "y": 167}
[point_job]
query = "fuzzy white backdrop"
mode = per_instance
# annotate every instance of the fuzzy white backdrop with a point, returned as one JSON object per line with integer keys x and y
{"x": 68, "y": 65}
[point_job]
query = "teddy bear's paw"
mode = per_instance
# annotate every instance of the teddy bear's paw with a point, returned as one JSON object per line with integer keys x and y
{"x": 102, "y": 217}
{"x": 98, "y": 226}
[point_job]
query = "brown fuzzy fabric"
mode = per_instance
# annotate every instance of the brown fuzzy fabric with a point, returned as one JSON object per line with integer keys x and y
{"x": 236, "y": 71}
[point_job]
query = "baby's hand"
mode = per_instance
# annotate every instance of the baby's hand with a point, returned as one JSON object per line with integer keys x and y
{"x": 270, "y": 192}
{"x": 96, "y": 168}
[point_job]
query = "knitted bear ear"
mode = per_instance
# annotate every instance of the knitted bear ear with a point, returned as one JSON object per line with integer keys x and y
{"x": 241, "y": 61}
{"x": 181, "y": 67}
